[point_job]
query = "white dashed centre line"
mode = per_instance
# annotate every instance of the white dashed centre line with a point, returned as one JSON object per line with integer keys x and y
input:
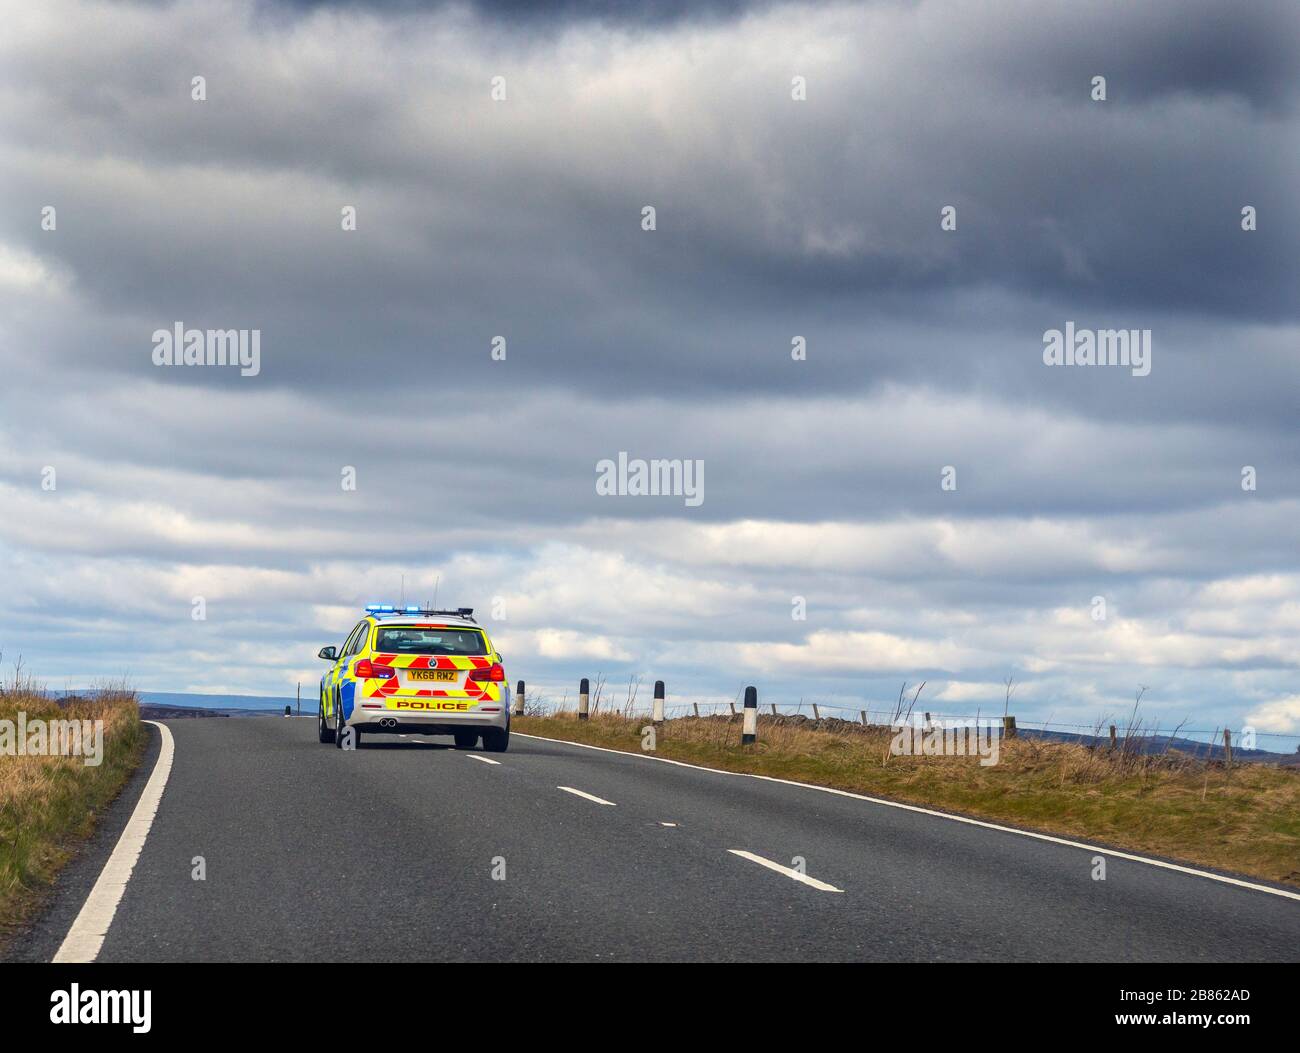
{"x": 794, "y": 875}
{"x": 485, "y": 760}
{"x": 667, "y": 824}
{"x": 588, "y": 796}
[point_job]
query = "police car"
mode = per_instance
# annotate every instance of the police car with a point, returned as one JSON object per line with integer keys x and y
{"x": 405, "y": 670}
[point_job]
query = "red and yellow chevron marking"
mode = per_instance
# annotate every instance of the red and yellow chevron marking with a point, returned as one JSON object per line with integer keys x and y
{"x": 425, "y": 661}
{"x": 473, "y": 691}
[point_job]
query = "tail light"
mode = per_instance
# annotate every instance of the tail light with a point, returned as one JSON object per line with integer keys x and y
{"x": 496, "y": 673}
{"x": 365, "y": 669}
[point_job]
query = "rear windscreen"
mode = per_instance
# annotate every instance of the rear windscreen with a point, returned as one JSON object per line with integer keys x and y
{"x": 414, "y": 640}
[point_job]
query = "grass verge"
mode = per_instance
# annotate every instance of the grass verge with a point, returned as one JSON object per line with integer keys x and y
{"x": 1244, "y": 819}
{"x": 49, "y": 804}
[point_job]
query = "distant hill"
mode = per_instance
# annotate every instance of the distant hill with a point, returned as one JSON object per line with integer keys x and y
{"x": 1161, "y": 743}
{"x": 174, "y": 705}
{"x": 243, "y": 703}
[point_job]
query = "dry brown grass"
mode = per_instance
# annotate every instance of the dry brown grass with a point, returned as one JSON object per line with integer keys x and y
{"x": 49, "y": 804}
{"x": 1244, "y": 819}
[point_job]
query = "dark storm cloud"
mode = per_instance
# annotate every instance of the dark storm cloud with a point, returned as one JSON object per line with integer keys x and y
{"x": 534, "y": 12}
{"x": 775, "y": 218}
{"x": 1153, "y": 51}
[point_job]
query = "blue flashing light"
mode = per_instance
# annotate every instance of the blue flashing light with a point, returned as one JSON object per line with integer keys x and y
{"x": 388, "y": 608}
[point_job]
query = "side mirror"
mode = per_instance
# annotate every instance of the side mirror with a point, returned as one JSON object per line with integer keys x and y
{"x": 330, "y": 654}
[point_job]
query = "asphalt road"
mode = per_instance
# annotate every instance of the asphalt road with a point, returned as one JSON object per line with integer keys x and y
{"x": 388, "y": 854}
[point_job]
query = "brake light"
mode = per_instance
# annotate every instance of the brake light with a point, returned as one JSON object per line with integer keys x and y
{"x": 496, "y": 673}
{"x": 365, "y": 669}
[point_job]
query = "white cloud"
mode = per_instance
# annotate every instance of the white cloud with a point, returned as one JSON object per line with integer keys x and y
{"x": 568, "y": 644}
{"x": 1280, "y": 715}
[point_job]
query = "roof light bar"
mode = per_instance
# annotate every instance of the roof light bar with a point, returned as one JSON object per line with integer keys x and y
{"x": 388, "y": 608}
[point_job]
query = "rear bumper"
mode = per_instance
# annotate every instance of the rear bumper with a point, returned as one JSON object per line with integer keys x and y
{"x": 423, "y": 727}
{"x": 428, "y": 723}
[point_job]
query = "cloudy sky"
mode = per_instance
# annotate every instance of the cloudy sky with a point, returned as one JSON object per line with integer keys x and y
{"x": 776, "y": 217}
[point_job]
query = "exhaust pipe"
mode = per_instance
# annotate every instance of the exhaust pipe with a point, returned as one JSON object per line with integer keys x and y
{"x": 388, "y": 722}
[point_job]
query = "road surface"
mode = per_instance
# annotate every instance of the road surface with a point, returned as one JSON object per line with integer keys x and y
{"x": 393, "y": 852}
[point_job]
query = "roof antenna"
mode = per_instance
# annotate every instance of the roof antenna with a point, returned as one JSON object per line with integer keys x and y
{"x": 403, "y": 603}
{"x": 435, "y": 591}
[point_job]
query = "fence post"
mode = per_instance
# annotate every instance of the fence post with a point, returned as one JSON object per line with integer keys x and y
{"x": 1113, "y": 737}
{"x": 1009, "y": 727}
{"x": 927, "y": 720}
{"x": 696, "y": 707}
{"x": 864, "y": 716}
{"x": 299, "y": 698}
{"x": 584, "y": 689}
{"x": 749, "y": 730}
{"x": 733, "y": 708}
{"x": 816, "y": 712}
{"x": 1227, "y": 746}
{"x": 658, "y": 715}
{"x": 773, "y": 709}
{"x": 519, "y": 699}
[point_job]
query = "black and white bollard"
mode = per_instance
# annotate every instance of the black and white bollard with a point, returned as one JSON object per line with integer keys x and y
{"x": 288, "y": 711}
{"x": 583, "y": 697}
{"x": 749, "y": 730}
{"x": 658, "y": 716}
{"x": 519, "y": 699}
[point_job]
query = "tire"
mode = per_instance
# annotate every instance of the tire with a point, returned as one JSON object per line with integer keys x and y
{"x": 323, "y": 730}
{"x": 465, "y": 740}
{"x": 496, "y": 740}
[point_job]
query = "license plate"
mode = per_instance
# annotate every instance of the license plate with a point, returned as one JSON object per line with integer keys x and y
{"x": 448, "y": 676}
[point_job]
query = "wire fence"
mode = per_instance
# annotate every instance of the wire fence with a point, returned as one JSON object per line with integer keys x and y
{"x": 635, "y": 704}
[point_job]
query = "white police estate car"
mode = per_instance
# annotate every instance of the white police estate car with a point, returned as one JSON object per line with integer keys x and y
{"x": 407, "y": 669}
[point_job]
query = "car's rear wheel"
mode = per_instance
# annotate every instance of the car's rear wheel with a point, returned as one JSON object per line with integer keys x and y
{"x": 496, "y": 740}
{"x": 465, "y": 740}
{"x": 323, "y": 730}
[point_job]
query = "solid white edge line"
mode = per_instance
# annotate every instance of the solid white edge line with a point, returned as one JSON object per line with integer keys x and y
{"x": 485, "y": 760}
{"x": 1113, "y": 853}
{"x": 86, "y": 936}
{"x": 794, "y": 875}
{"x": 589, "y": 796}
